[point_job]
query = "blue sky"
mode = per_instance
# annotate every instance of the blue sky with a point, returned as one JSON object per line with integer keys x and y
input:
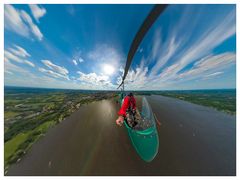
{"x": 85, "y": 47}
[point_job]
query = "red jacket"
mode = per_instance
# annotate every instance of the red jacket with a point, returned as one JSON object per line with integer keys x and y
{"x": 127, "y": 102}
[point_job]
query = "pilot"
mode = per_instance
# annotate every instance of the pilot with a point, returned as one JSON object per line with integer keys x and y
{"x": 127, "y": 111}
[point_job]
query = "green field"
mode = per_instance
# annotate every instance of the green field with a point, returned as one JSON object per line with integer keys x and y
{"x": 11, "y": 146}
{"x": 10, "y": 114}
{"x": 221, "y": 100}
{"x": 28, "y": 116}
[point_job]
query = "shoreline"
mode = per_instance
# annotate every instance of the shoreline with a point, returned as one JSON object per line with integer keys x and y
{"x": 39, "y": 132}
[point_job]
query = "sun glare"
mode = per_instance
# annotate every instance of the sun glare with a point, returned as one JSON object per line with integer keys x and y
{"x": 108, "y": 69}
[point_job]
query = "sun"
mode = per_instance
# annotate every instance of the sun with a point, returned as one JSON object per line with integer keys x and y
{"x": 108, "y": 69}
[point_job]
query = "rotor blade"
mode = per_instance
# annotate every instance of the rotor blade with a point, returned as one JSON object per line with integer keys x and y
{"x": 148, "y": 22}
{"x": 120, "y": 85}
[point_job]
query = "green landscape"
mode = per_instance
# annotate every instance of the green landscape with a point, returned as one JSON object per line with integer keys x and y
{"x": 220, "y": 99}
{"x": 28, "y": 116}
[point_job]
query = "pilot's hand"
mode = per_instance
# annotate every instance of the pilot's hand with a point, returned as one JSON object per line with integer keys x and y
{"x": 119, "y": 121}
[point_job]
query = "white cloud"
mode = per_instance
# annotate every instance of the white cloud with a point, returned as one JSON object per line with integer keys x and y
{"x": 208, "y": 67}
{"x": 92, "y": 77}
{"x": 135, "y": 79}
{"x": 168, "y": 51}
{"x": 183, "y": 46}
{"x": 34, "y": 29}
{"x": 102, "y": 55}
{"x": 17, "y": 76}
{"x": 55, "y": 70}
{"x": 10, "y": 67}
{"x": 75, "y": 62}
{"x": 17, "y": 54}
{"x": 29, "y": 63}
{"x": 21, "y": 77}
{"x": 12, "y": 57}
{"x": 169, "y": 71}
{"x": 214, "y": 74}
{"x": 20, "y": 22}
{"x": 211, "y": 37}
{"x": 209, "y": 64}
{"x": 105, "y": 54}
{"x": 77, "y": 56}
{"x": 8, "y": 72}
{"x": 52, "y": 73}
{"x": 80, "y": 60}
{"x": 37, "y": 11}
{"x": 58, "y": 69}
{"x": 19, "y": 51}
{"x": 156, "y": 44}
{"x": 14, "y": 22}
{"x": 36, "y": 81}
{"x": 94, "y": 81}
